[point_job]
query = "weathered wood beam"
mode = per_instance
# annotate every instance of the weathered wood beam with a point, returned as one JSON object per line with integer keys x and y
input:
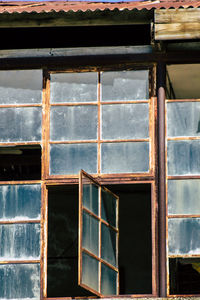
{"x": 79, "y": 18}
{"x": 177, "y": 31}
{"x": 167, "y": 16}
{"x": 176, "y": 24}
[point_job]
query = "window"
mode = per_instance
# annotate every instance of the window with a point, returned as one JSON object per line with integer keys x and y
{"x": 183, "y": 144}
{"x": 93, "y": 120}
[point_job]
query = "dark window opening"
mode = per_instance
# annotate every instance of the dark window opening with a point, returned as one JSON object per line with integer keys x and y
{"x": 62, "y": 259}
{"x": 184, "y": 276}
{"x": 20, "y": 163}
{"x": 135, "y": 244}
{"x": 135, "y": 254}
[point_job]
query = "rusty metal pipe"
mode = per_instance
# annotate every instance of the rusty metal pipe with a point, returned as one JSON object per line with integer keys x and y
{"x": 161, "y": 75}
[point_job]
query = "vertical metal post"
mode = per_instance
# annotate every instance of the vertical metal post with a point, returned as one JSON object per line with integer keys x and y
{"x": 161, "y": 81}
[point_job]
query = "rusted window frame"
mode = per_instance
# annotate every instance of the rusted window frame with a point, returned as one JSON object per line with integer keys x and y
{"x": 81, "y": 249}
{"x": 177, "y": 177}
{"x": 136, "y": 178}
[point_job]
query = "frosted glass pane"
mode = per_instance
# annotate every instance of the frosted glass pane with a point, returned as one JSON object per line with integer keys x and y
{"x": 71, "y": 158}
{"x": 20, "y": 124}
{"x": 73, "y": 123}
{"x": 108, "y": 281}
{"x": 20, "y": 202}
{"x": 131, "y": 157}
{"x": 18, "y": 281}
{"x": 108, "y": 207}
{"x": 90, "y": 271}
{"x": 125, "y": 85}
{"x": 90, "y": 236}
{"x": 108, "y": 245}
{"x": 183, "y": 157}
{"x": 183, "y": 119}
{"x": 184, "y": 197}
{"x": 73, "y": 87}
{"x": 184, "y": 236}
{"x": 20, "y": 241}
{"x": 91, "y": 198}
{"x": 125, "y": 121}
{"x": 20, "y": 87}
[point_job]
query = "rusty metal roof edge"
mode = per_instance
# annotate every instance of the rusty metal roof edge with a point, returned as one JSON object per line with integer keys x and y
{"x": 46, "y": 7}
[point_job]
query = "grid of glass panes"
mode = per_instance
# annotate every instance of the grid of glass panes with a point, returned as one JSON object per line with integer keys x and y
{"x": 20, "y": 241}
{"x": 99, "y": 122}
{"x": 21, "y": 124}
{"x": 98, "y": 240}
{"x": 183, "y": 184}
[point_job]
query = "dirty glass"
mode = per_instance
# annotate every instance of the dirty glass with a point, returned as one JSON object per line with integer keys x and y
{"x": 125, "y": 157}
{"x": 71, "y": 158}
{"x": 19, "y": 241}
{"x": 183, "y": 157}
{"x": 184, "y": 197}
{"x": 90, "y": 274}
{"x": 125, "y": 85}
{"x": 90, "y": 235}
{"x": 184, "y": 236}
{"x": 20, "y": 202}
{"x": 108, "y": 245}
{"x": 20, "y": 281}
{"x": 183, "y": 119}
{"x": 20, "y": 124}
{"x": 108, "y": 280}
{"x": 73, "y": 123}
{"x": 108, "y": 207}
{"x": 73, "y": 87}
{"x": 91, "y": 197}
{"x": 125, "y": 121}
{"x": 21, "y": 87}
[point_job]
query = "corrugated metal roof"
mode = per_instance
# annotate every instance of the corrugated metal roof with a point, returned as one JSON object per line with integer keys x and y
{"x": 75, "y": 6}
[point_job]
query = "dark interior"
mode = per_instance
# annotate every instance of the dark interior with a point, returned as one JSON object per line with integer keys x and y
{"x": 74, "y": 36}
{"x": 134, "y": 244}
{"x": 20, "y": 163}
{"x": 184, "y": 276}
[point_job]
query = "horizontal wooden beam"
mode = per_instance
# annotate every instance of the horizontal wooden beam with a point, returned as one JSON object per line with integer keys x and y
{"x": 170, "y": 16}
{"x": 79, "y": 18}
{"x": 177, "y": 31}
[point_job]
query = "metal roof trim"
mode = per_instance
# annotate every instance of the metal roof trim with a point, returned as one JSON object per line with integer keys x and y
{"x": 84, "y": 7}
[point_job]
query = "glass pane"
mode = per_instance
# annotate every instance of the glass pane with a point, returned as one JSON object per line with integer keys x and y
{"x": 91, "y": 196}
{"x": 19, "y": 241}
{"x": 20, "y": 87}
{"x": 184, "y": 197}
{"x": 90, "y": 272}
{"x": 73, "y": 123}
{"x": 108, "y": 207}
{"x": 125, "y": 85}
{"x": 125, "y": 121}
{"x": 183, "y": 157}
{"x": 90, "y": 237}
{"x": 131, "y": 157}
{"x": 20, "y": 124}
{"x": 73, "y": 87}
{"x": 184, "y": 236}
{"x": 20, "y": 202}
{"x": 18, "y": 281}
{"x": 183, "y": 119}
{"x": 71, "y": 158}
{"x": 108, "y": 281}
{"x": 108, "y": 245}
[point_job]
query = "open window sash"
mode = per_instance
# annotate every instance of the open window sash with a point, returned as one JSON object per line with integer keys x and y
{"x": 98, "y": 237}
